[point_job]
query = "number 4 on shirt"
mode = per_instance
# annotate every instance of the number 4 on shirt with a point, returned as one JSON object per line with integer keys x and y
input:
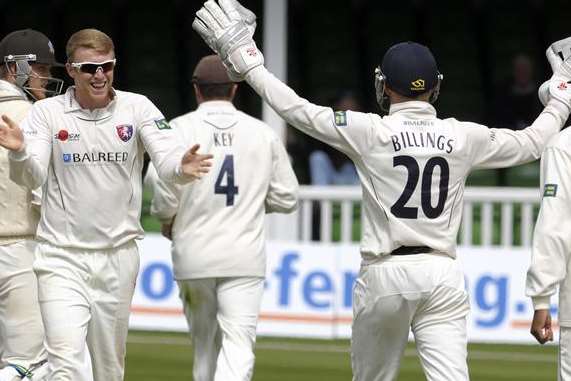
{"x": 230, "y": 190}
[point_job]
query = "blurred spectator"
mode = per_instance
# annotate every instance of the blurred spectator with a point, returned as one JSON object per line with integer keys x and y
{"x": 327, "y": 166}
{"x": 516, "y": 103}
{"x": 515, "y": 106}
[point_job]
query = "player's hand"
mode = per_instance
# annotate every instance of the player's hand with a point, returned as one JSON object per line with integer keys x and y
{"x": 543, "y": 93}
{"x": 558, "y": 52}
{"x": 227, "y": 27}
{"x": 11, "y": 137}
{"x": 166, "y": 231}
{"x": 559, "y": 56}
{"x": 195, "y": 165}
{"x": 541, "y": 326}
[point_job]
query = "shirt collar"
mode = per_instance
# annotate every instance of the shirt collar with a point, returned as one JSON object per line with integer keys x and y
{"x": 11, "y": 90}
{"x": 71, "y": 105}
{"x": 216, "y": 104}
{"x": 419, "y": 108}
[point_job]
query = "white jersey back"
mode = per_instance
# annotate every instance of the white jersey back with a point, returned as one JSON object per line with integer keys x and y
{"x": 412, "y": 165}
{"x": 219, "y": 225}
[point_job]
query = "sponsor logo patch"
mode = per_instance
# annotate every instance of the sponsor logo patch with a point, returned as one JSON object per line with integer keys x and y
{"x": 562, "y": 86}
{"x": 95, "y": 158}
{"x": 341, "y": 118}
{"x": 162, "y": 124}
{"x": 550, "y": 190}
{"x": 125, "y": 132}
{"x": 65, "y": 136}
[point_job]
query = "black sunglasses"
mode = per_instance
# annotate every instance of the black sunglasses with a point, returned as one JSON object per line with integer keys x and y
{"x": 92, "y": 67}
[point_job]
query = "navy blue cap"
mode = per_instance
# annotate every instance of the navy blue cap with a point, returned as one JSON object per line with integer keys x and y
{"x": 28, "y": 41}
{"x": 410, "y": 69}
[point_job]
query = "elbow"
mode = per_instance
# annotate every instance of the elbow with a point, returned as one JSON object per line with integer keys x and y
{"x": 285, "y": 206}
{"x": 291, "y": 206}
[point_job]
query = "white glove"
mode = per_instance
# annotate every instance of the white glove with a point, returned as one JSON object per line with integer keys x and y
{"x": 228, "y": 28}
{"x": 543, "y": 93}
{"x": 559, "y": 86}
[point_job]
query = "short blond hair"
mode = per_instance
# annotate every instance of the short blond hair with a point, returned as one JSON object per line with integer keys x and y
{"x": 90, "y": 39}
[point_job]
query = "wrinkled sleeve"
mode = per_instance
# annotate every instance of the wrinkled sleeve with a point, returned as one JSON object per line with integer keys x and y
{"x": 283, "y": 190}
{"x": 502, "y": 147}
{"x": 551, "y": 241}
{"x": 161, "y": 141}
{"x": 166, "y": 196}
{"x": 29, "y": 167}
{"x": 349, "y": 132}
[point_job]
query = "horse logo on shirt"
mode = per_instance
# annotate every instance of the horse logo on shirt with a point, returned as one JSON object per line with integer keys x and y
{"x": 125, "y": 132}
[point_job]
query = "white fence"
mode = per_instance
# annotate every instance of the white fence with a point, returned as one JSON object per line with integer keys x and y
{"x": 492, "y": 216}
{"x": 308, "y": 287}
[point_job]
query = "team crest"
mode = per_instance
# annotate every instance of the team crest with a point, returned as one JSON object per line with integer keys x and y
{"x": 125, "y": 132}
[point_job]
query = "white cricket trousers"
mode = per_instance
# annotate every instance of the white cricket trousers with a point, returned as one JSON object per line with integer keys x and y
{"x": 222, "y": 314}
{"x": 21, "y": 328}
{"x": 85, "y": 296}
{"x": 564, "y": 366}
{"x": 422, "y": 292}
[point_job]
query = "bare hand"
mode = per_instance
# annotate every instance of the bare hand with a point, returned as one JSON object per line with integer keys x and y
{"x": 194, "y": 164}
{"x": 541, "y": 326}
{"x": 166, "y": 231}
{"x": 11, "y": 137}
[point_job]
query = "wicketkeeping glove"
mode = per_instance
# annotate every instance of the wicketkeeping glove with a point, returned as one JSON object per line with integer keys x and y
{"x": 228, "y": 28}
{"x": 559, "y": 86}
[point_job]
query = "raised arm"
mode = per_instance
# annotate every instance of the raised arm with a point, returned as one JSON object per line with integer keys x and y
{"x": 227, "y": 28}
{"x": 30, "y": 148}
{"x": 492, "y": 148}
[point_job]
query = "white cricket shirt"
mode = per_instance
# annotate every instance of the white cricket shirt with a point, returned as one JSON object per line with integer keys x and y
{"x": 551, "y": 253}
{"x": 19, "y": 212}
{"x": 219, "y": 226}
{"x": 412, "y": 165}
{"x": 89, "y": 163}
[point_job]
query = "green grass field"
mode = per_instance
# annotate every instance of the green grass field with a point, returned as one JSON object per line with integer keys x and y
{"x": 168, "y": 356}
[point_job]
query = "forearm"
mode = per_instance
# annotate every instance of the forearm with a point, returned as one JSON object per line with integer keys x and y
{"x": 312, "y": 119}
{"x": 26, "y": 170}
{"x": 545, "y": 126}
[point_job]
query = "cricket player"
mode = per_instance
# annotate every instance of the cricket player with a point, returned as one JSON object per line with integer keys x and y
{"x": 551, "y": 251}
{"x": 218, "y": 238}
{"x": 85, "y": 148}
{"x": 412, "y": 166}
{"x": 27, "y": 58}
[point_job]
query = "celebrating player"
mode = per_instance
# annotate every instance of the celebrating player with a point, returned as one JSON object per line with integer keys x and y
{"x": 552, "y": 242}
{"x": 27, "y": 58}
{"x": 86, "y": 148}
{"x": 412, "y": 167}
{"x": 218, "y": 233}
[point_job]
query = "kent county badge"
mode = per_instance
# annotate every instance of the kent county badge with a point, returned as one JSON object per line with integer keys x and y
{"x": 125, "y": 132}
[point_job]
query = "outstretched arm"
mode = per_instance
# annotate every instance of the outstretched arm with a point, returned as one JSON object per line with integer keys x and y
{"x": 492, "y": 148}
{"x": 228, "y": 32}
